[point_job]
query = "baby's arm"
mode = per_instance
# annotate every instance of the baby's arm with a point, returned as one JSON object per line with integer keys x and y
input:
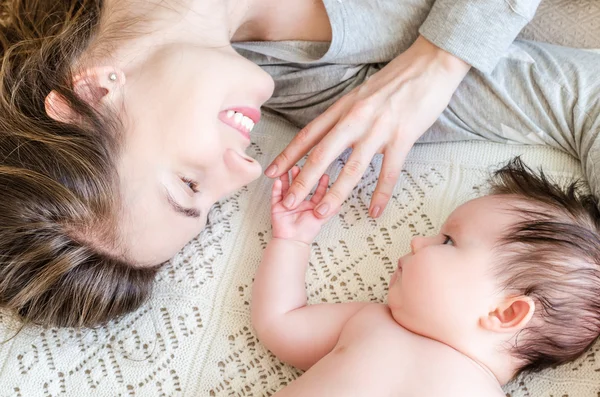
{"x": 296, "y": 333}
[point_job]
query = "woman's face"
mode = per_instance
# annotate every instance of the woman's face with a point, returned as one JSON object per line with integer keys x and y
{"x": 184, "y": 145}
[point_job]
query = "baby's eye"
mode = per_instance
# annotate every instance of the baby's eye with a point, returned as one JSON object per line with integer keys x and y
{"x": 193, "y": 185}
{"x": 448, "y": 240}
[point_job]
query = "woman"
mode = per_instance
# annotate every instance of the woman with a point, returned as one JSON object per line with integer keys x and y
{"x": 124, "y": 121}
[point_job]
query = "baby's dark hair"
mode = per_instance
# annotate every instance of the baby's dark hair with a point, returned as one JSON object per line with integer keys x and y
{"x": 552, "y": 255}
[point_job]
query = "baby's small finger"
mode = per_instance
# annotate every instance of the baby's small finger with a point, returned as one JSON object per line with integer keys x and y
{"x": 321, "y": 189}
{"x": 276, "y": 193}
{"x": 295, "y": 171}
{"x": 285, "y": 182}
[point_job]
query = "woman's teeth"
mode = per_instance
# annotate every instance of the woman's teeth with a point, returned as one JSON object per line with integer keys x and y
{"x": 241, "y": 120}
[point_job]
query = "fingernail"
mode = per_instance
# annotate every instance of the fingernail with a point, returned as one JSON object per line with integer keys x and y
{"x": 288, "y": 202}
{"x": 375, "y": 212}
{"x": 271, "y": 170}
{"x": 322, "y": 209}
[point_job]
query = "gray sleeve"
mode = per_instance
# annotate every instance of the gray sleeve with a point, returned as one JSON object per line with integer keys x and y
{"x": 538, "y": 94}
{"x": 477, "y": 31}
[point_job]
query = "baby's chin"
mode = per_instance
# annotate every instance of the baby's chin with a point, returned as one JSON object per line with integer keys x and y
{"x": 392, "y": 294}
{"x": 393, "y": 279}
{"x": 397, "y": 316}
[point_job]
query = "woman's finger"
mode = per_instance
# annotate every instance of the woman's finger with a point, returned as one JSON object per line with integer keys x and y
{"x": 349, "y": 177}
{"x": 393, "y": 160}
{"x": 351, "y": 127}
{"x": 306, "y": 139}
{"x": 321, "y": 189}
{"x": 316, "y": 164}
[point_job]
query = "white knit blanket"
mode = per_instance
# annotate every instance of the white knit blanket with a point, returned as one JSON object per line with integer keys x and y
{"x": 194, "y": 337}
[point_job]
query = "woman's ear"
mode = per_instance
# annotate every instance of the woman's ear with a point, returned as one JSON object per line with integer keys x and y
{"x": 510, "y": 315}
{"x": 95, "y": 86}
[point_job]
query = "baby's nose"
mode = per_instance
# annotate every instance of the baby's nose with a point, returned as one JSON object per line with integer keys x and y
{"x": 417, "y": 243}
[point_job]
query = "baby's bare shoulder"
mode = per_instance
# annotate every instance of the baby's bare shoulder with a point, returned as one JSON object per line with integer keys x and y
{"x": 401, "y": 360}
{"x": 392, "y": 365}
{"x": 375, "y": 356}
{"x": 374, "y": 318}
{"x": 452, "y": 374}
{"x": 378, "y": 313}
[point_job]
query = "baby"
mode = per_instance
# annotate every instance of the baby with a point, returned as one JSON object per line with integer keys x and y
{"x": 511, "y": 283}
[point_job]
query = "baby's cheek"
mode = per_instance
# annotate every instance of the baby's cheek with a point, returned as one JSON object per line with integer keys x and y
{"x": 432, "y": 297}
{"x": 415, "y": 298}
{"x": 424, "y": 283}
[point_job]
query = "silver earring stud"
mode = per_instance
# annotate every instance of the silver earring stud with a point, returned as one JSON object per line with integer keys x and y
{"x": 112, "y": 77}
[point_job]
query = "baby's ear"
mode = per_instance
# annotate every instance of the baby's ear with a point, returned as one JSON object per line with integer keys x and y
{"x": 511, "y": 315}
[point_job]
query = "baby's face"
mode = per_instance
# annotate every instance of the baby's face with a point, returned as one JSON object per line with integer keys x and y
{"x": 446, "y": 283}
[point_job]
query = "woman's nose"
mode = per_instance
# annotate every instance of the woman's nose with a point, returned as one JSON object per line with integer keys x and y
{"x": 263, "y": 85}
{"x": 417, "y": 243}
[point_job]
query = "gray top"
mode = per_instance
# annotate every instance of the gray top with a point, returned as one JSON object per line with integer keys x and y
{"x": 477, "y": 31}
{"x": 310, "y": 76}
{"x": 524, "y": 93}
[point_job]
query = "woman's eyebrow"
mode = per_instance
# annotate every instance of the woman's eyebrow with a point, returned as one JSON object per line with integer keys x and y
{"x": 189, "y": 212}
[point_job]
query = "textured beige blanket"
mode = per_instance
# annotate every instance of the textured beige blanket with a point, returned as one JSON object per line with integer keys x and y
{"x": 194, "y": 338}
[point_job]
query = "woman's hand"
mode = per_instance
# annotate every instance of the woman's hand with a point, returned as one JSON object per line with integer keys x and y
{"x": 386, "y": 114}
{"x": 299, "y": 224}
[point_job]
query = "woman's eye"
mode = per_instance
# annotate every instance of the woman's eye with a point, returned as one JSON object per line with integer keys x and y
{"x": 191, "y": 184}
{"x": 448, "y": 240}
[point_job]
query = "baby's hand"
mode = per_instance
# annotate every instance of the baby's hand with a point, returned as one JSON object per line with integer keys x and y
{"x": 299, "y": 224}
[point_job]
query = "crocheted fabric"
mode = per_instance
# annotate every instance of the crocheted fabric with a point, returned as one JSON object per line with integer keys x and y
{"x": 194, "y": 337}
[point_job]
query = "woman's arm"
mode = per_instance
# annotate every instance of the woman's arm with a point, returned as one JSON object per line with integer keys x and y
{"x": 478, "y": 32}
{"x": 390, "y": 111}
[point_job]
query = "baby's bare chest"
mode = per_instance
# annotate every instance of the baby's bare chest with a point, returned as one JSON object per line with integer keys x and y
{"x": 377, "y": 357}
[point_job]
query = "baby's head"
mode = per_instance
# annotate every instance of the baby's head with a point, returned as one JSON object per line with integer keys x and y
{"x": 518, "y": 269}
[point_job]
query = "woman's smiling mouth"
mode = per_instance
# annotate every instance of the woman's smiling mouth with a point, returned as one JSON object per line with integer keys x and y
{"x": 242, "y": 119}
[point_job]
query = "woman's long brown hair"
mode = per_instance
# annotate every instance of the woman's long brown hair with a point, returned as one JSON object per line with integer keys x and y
{"x": 58, "y": 182}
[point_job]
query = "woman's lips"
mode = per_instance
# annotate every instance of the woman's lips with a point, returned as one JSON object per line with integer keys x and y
{"x": 252, "y": 113}
{"x": 242, "y": 119}
{"x": 399, "y": 264}
{"x": 231, "y": 122}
